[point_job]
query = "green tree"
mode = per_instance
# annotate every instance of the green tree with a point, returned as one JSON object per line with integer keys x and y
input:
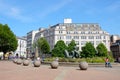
{"x": 34, "y": 45}
{"x": 59, "y": 48}
{"x": 43, "y": 45}
{"x": 88, "y": 50}
{"x": 102, "y": 50}
{"x": 71, "y": 46}
{"x": 8, "y": 40}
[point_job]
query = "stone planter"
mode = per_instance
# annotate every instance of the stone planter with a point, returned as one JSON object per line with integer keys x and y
{"x": 54, "y": 64}
{"x": 37, "y": 63}
{"x": 19, "y": 61}
{"x": 83, "y": 65}
{"x": 15, "y": 60}
{"x": 26, "y": 62}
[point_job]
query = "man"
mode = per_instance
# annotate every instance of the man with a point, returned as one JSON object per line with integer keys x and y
{"x": 107, "y": 63}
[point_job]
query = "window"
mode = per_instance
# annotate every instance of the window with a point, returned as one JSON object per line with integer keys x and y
{"x": 82, "y": 32}
{"x": 68, "y": 32}
{"x": 60, "y": 27}
{"x": 60, "y": 37}
{"x": 60, "y": 31}
{"x": 83, "y": 37}
{"x": 76, "y": 37}
{"x": 89, "y": 32}
{"x": 104, "y": 37}
{"x": 68, "y": 37}
{"x": 98, "y": 37}
{"x": 91, "y": 37}
{"x": 83, "y": 42}
{"x": 75, "y": 32}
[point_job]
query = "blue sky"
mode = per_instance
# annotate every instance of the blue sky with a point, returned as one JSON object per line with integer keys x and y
{"x": 23, "y": 16}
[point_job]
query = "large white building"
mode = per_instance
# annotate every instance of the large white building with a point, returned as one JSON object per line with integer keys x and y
{"x": 30, "y": 40}
{"x": 39, "y": 34}
{"x": 21, "y": 49}
{"x": 80, "y": 32}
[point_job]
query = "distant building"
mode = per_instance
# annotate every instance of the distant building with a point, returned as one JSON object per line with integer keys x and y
{"x": 80, "y": 32}
{"x": 39, "y": 34}
{"x": 113, "y": 38}
{"x": 21, "y": 49}
{"x": 30, "y": 40}
{"x": 115, "y": 48}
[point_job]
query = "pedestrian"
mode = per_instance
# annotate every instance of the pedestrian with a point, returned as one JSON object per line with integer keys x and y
{"x": 17, "y": 56}
{"x": 107, "y": 63}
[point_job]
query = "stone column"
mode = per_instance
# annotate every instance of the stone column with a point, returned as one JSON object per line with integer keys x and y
{"x": 36, "y": 52}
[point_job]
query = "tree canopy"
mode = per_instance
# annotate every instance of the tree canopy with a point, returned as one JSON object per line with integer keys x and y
{"x": 8, "y": 40}
{"x": 102, "y": 50}
{"x": 43, "y": 45}
{"x": 88, "y": 50}
{"x": 59, "y": 49}
{"x": 71, "y": 46}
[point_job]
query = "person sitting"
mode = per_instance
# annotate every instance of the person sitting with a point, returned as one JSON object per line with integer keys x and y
{"x": 107, "y": 63}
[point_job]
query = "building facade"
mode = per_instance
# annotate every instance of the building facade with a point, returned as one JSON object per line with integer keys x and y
{"x": 114, "y": 38}
{"x": 115, "y": 48}
{"x": 21, "y": 49}
{"x": 30, "y": 40}
{"x": 80, "y": 32}
{"x": 39, "y": 34}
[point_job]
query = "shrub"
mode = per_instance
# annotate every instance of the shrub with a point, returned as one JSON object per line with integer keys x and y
{"x": 89, "y": 60}
{"x": 63, "y": 60}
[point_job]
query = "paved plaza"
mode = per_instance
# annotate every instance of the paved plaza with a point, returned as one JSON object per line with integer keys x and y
{"x": 12, "y": 71}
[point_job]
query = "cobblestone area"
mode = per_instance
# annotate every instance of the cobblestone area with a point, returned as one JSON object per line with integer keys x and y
{"x": 11, "y": 71}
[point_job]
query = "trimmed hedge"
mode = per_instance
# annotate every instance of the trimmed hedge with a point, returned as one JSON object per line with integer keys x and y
{"x": 89, "y": 60}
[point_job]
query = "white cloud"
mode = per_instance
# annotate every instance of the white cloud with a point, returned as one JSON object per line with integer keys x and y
{"x": 13, "y": 12}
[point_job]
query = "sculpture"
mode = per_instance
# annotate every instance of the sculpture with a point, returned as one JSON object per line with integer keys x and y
{"x": 83, "y": 65}
{"x": 26, "y": 62}
{"x": 55, "y": 63}
{"x": 19, "y": 61}
{"x": 74, "y": 54}
{"x": 37, "y": 61}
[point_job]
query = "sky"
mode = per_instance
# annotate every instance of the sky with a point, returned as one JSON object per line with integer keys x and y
{"x": 22, "y": 16}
